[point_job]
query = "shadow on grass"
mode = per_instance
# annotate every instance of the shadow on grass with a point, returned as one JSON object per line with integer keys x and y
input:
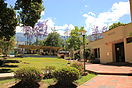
{"x": 26, "y": 85}
{"x": 58, "y": 85}
{"x": 11, "y": 61}
{"x": 4, "y": 63}
{"x": 9, "y": 66}
{"x": 5, "y": 70}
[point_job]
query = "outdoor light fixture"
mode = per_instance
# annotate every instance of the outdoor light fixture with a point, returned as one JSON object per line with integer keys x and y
{"x": 83, "y": 34}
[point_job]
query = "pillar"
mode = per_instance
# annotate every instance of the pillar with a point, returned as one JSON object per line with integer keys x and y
{"x": 131, "y": 9}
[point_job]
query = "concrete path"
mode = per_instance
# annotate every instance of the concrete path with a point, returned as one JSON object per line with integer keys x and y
{"x": 108, "y": 81}
{"x": 115, "y": 76}
{"x": 6, "y": 75}
{"x": 109, "y": 69}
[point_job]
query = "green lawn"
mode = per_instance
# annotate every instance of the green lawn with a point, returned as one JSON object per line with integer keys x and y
{"x": 38, "y": 62}
{"x": 6, "y": 81}
{"x": 48, "y": 82}
{"x": 41, "y": 62}
{"x": 84, "y": 79}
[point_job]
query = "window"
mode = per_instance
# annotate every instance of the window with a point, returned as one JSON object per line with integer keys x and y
{"x": 129, "y": 40}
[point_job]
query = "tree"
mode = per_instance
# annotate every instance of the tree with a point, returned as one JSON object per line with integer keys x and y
{"x": 54, "y": 39}
{"x": 29, "y": 11}
{"x": 114, "y": 25}
{"x": 39, "y": 42}
{"x": 74, "y": 41}
{"x": 7, "y": 46}
{"x": 8, "y": 21}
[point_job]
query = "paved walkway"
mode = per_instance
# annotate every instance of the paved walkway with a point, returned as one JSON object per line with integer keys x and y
{"x": 115, "y": 76}
{"x": 108, "y": 69}
{"x": 6, "y": 75}
{"x": 108, "y": 81}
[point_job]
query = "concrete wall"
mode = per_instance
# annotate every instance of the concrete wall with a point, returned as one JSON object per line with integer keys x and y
{"x": 128, "y": 46}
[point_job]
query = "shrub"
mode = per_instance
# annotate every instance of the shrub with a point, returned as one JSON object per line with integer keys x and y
{"x": 29, "y": 74}
{"x": 77, "y": 56}
{"x": 78, "y": 66}
{"x": 48, "y": 71}
{"x": 66, "y": 75}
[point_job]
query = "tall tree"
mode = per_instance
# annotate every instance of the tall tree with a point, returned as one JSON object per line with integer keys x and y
{"x": 29, "y": 11}
{"x": 54, "y": 39}
{"x": 8, "y": 21}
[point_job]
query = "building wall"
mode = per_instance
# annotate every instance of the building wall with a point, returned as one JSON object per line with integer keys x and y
{"x": 107, "y": 44}
{"x": 128, "y": 46}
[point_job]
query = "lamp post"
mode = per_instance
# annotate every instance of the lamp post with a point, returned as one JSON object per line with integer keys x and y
{"x": 83, "y": 34}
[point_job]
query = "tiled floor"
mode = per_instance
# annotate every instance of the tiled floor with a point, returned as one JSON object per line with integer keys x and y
{"x": 109, "y": 81}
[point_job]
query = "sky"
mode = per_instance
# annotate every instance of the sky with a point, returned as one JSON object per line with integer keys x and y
{"x": 65, "y": 14}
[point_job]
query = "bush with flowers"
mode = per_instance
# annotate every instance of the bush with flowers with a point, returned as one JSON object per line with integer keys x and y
{"x": 29, "y": 74}
{"x": 48, "y": 71}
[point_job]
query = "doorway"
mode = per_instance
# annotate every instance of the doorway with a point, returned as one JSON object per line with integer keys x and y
{"x": 119, "y": 50}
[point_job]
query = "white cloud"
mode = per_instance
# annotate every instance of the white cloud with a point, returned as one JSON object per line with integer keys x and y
{"x": 91, "y": 13}
{"x": 61, "y": 29}
{"x": 19, "y": 29}
{"x": 50, "y": 22}
{"x": 66, "y": 26}
{"x": 64, "y": 29}
{"x": 117, "y": 11}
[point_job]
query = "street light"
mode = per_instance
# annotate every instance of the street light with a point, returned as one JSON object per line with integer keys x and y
{"x": 83, "y": 34}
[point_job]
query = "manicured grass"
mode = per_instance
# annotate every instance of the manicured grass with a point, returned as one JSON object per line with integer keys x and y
{"x": 48, "y": 81}
{"x": 84, "y": 79}
{"x": 6, "y": 81}
{"x": 80, "y": 81}
{"x": 38, "y": 62}
{"x": 41, "y": 62}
